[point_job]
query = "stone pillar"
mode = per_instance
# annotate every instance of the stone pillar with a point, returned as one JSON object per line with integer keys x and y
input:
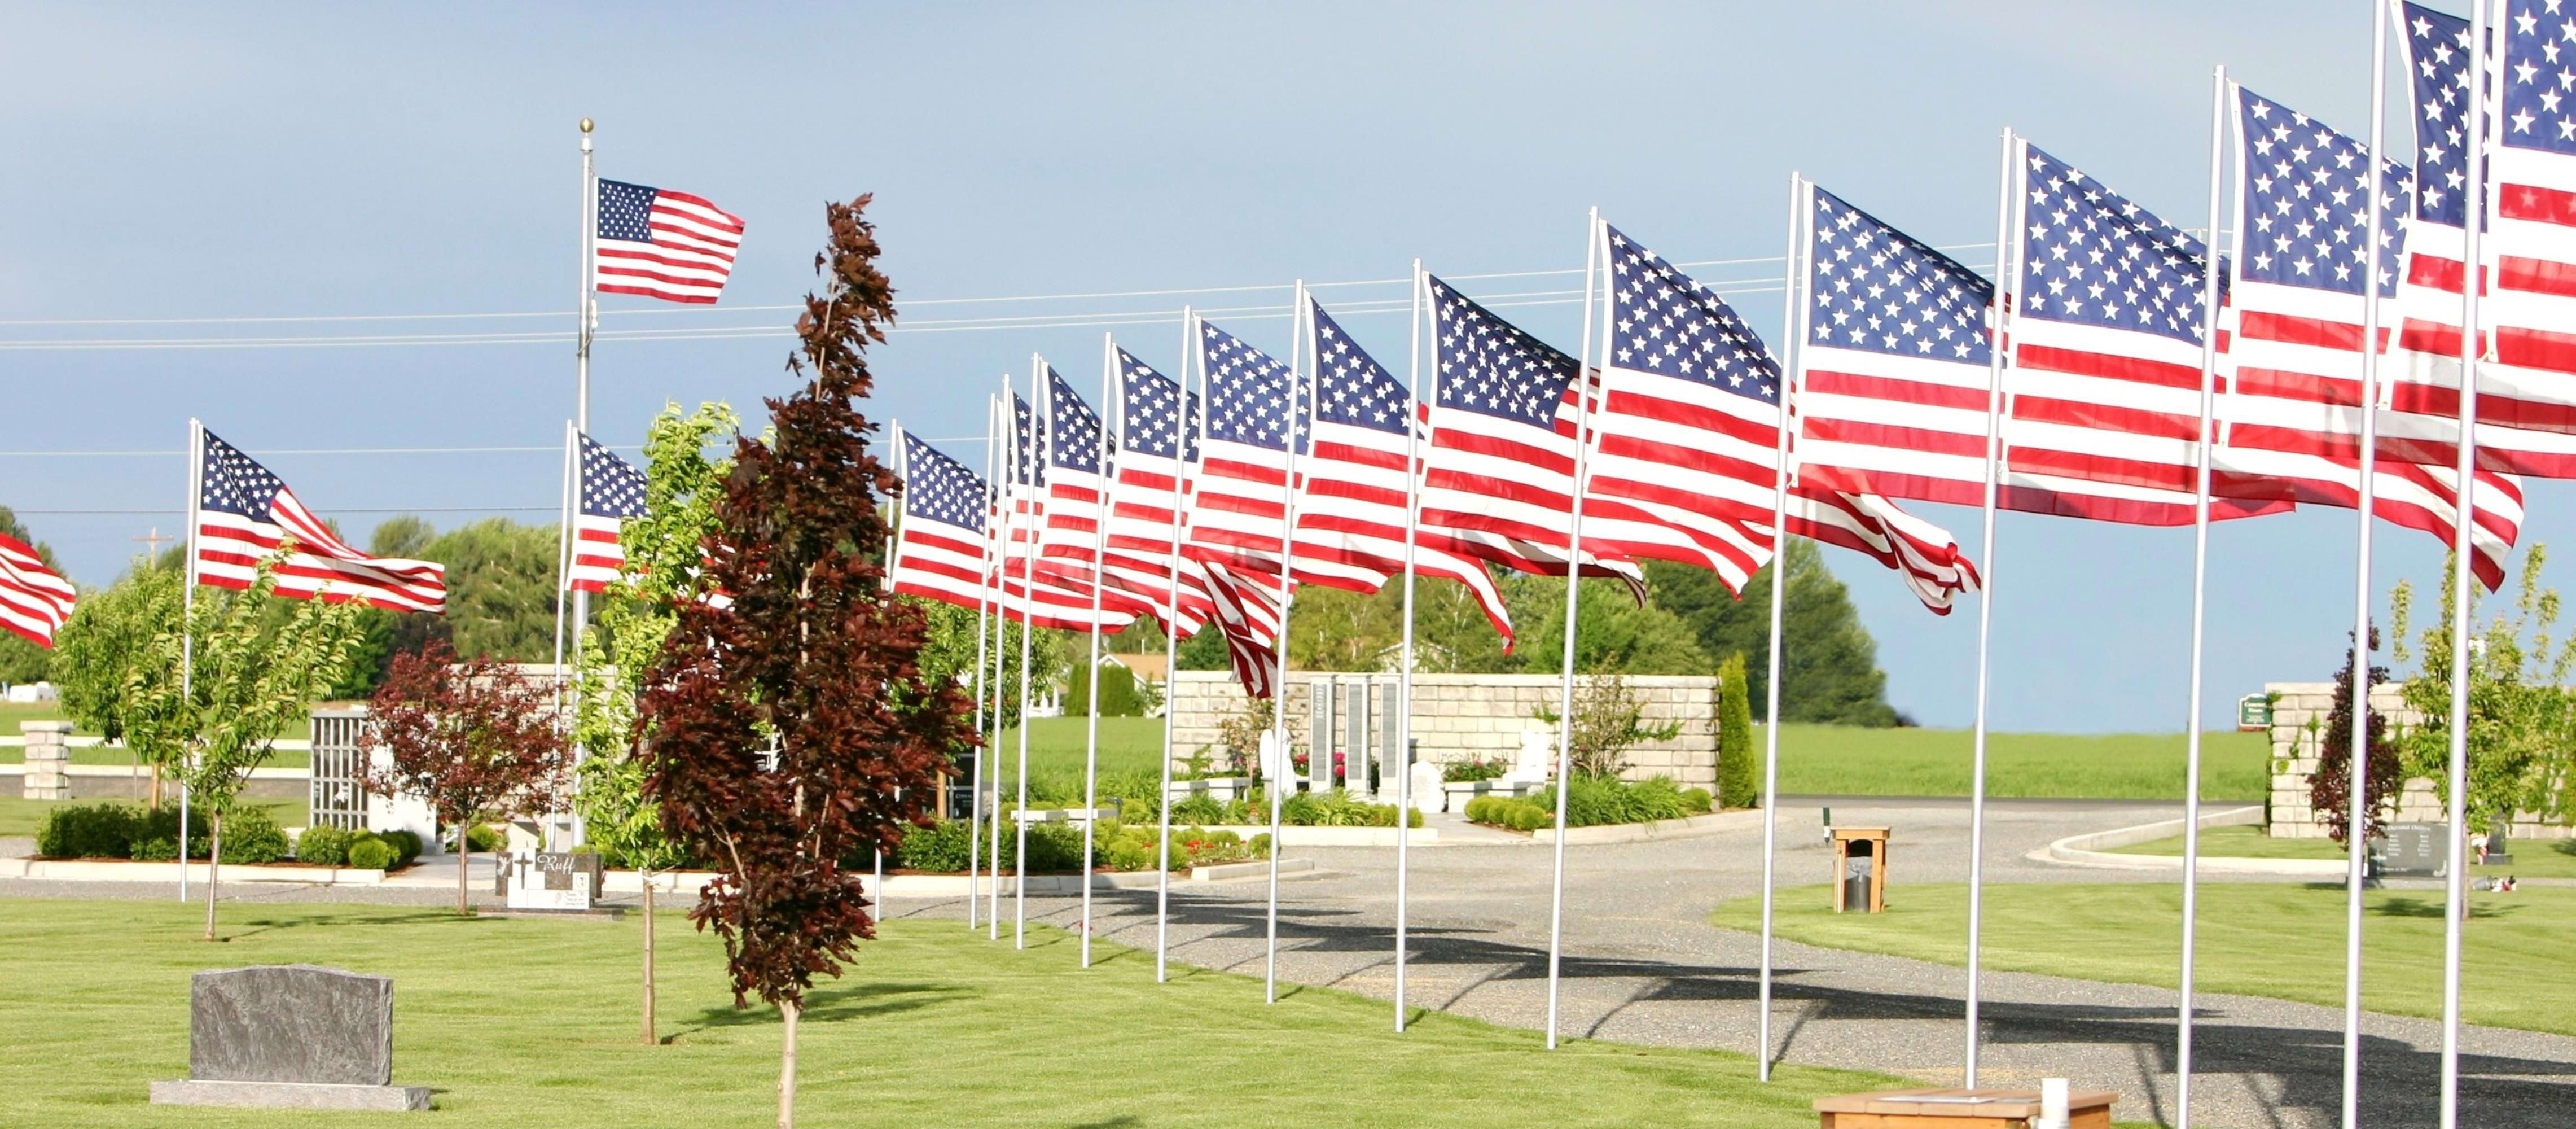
{"x": 48, "y": 755}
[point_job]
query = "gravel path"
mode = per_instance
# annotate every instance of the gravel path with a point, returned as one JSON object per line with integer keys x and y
{"x": 1643, "y": 966}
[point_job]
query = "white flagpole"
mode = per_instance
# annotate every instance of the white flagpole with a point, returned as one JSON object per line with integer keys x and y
{"x": 1790, "y": 280}
{"x": 2357, "y": 815}
{"x": 1006, "y": 458}
{"x": 1279, "y": 681}
{"x": 1573, "y": 593}
{"x": 2007, "y": 287}
{"x": 581, "y": 397}
{"x": 2463, "y": 582}
{"x": 1172, "y": 652}
{"x": 1100, "y": 464}
{"x": 885, "y": 586}
{"x": 983, "y": 601}
{"x": 188, "y": 628}
{"x": 563, "y": 566}
{"x": 1413, "y": 427}
{"x": 2183, "y": 1020}
{"x": 1028, "y": 601}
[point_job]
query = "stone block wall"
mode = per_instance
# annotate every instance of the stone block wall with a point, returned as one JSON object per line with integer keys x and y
{"x": 48, "y": 754}
{"x": 2299, "y": 714}
{"x": 1460, "y": 716}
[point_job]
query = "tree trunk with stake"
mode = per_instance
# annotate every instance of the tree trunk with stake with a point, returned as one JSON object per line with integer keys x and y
{"x": 214, "y": 860}
{"x": 464, "y": 859}
{"x": 647, "y": 875}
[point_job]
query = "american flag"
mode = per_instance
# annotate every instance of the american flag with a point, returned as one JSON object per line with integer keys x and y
{"x": 2300, "y": 274}
{"x": 1359, "y": 474}
{"x": 1894, "y": 374}
{"x": 34, "y": 599}
{"x": 662, "y": 244}
{"x": 2527, "y": 379}
{"x": 612, "y": 490}
{"x": 1689, "y": 433}
{"x": 1256, "y": 410}
{"x": 939, "y": 549}
{"x": 244, "y": 513}
{"x": 1157, "y": 444}
{"x": 1498, "y": 480}
{"x": 2104, "y": 420}
{"x": 1032, "y": 595}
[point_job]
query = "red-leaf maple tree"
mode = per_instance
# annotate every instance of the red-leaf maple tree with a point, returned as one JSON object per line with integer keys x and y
{"x": 473, "y": 738}
{"x": 811, "y": 662}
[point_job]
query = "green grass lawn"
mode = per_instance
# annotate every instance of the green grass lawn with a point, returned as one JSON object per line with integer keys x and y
{"x": 2264, "y": 939}
{"x": 519, "y": 1022}
{"x": 301, "y": 729}
{"x": 21, "y": 816}
{"x": 1841, "y": 760}
{"x": 2531, "y": 858}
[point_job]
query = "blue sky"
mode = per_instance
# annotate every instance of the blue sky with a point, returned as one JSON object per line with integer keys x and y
{"x": 260, "y": 161}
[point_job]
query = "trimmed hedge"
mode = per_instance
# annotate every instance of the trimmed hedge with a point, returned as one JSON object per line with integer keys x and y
{"x": 323, "y": 846}
{"x": 96, "y": 831}
{"x": 251, "y": 835}
{"x": 1594, "y": 801}
{"x": 372, "y": 854}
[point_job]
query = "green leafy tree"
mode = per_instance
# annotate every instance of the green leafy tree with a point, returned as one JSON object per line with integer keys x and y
{"x": 108, "y": 637}
{"x": 1739, "y": 779}
{"x": 2522, "y": 719}
{"x": 250, "y": 680}
{"x": 1830, "y": 671}
{"x": 634, "y": 617}
{"x": 500, "y": 596}
{"x": 20, "y": 660}
{"x": 1618, "y": 634}
{"x": 948, "y": 653}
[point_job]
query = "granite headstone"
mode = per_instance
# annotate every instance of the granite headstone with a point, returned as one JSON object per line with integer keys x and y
{"x": 291, "y": 1036}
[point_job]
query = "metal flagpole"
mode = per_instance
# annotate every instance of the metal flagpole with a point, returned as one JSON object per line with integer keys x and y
{"x": 1573, "y": 594}
{"x": 188, "y": 628}
{"x": 1413, "y": 426}
{"x": 2199, "y": 603}
{"x": 885, "y": 585}
{"x": 2356, "y": 819}
{"x": 1028, "y": 610}
{"x": 1798, "y": 212}
{"x": 563, "y": 567}
{"x": 2455, "y": 903}
{"x": 1006, "y": 458}
{"x": 2007, "y": 286}
{"x": 1100, "y": 463}
{"x": 983, "y": 600}
{"x": 1289, "y": 426}
{"x": 589, "y": 314}
{"x": 1172, "y": 652}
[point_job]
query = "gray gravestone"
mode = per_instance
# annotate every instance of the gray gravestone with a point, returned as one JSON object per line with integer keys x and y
{"x": 2415, "y": 850}
{"x": 293, "y": 1036}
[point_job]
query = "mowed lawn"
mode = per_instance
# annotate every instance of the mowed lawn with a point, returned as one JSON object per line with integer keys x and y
{"x": 301, "y": 729}
{"x": 21, "y": 816}
{"x": 1837, "y": 760}
{"x": 2554, "y": 858}
{"x": 519, "y": 1022}
{"x": 2259, "y": 939}
{"x": 1840, "y": 760}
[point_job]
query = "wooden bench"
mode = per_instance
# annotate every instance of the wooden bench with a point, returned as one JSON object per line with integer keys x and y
{"x": 1958, "y": 1109}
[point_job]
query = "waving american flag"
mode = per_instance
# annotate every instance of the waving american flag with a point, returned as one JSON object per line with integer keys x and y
{"x": 662, "y": 244}
{"x": 612, "y": 490}
{"x": 939, "y": 548}
{"x": 244, "y": 514}
{"x": 34, "y": 599}
{"x": 1157, "y": 445}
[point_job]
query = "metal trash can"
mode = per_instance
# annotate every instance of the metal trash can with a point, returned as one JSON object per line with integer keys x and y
{"x": 1860, "y": 869}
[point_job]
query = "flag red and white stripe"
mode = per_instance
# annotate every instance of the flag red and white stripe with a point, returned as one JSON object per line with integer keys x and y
{"x": 244, "y": 514}
{"x": 662, "y": 244}
{"x": 34, "y": 599}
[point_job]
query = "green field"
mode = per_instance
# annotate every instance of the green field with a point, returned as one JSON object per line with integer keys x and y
{"x": 519, "y": 1022}
{"x": 2259, "y": 939}
{"x": 2531, "y": 858}
{"x": 1838, "y": 760}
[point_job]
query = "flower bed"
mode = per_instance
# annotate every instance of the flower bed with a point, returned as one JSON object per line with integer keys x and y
{"x": 1056, "y": 848}
{"x": 1594, "y": 801}
{"x": 1334, "y": 808}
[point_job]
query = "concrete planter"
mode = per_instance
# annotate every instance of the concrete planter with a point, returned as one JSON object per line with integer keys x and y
{"x": 1461, "y": 791}
{"x": 1336, "y": 836}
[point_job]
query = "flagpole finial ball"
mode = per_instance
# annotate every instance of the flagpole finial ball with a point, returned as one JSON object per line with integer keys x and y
{"x": 585, "y": 125}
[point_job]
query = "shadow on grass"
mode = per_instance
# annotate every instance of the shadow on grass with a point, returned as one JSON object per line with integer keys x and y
{"x": 258, "y": 925}
{"x": 2432, "y": 908}
{"x": 832, "y": 1005}
{"x": 1122, "y": 1121}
